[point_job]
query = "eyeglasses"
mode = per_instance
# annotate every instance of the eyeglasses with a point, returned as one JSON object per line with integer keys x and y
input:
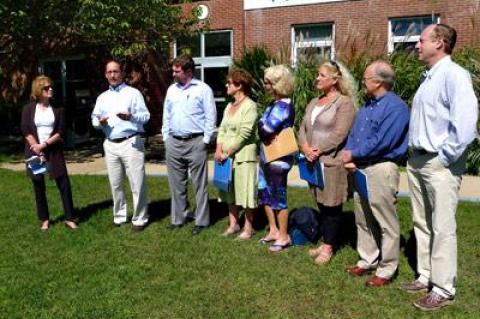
{"x": 336, "y": 66}
{"x": 366, "y": 79}
{"x": 47, "y": 87}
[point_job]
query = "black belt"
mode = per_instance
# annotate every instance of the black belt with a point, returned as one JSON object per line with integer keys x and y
{"x": 362, "y": 164}
{"x": 187, "y": 137}
{"x": 121, "y": 139}
{"x": 420, "y": 151}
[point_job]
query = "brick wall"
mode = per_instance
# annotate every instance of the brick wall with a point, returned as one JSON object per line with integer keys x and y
{"x": 352, "y": 19}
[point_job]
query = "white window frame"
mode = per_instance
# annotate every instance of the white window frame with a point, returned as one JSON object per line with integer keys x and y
{"x": 308, "y": 44}
{"x": 202, "y": 62}
{"x": 392, "y": 39}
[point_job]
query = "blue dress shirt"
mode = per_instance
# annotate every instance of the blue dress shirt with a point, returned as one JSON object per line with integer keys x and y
{"x": 122, "y": 98}
{"x": 380, "y": 130}
{"x": 189, "y": 109}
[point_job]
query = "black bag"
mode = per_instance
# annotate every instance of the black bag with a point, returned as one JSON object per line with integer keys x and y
{"x": 304, "y": 220}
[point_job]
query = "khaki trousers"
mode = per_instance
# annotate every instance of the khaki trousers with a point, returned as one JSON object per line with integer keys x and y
{"x": 434, "y": 192}
{"x": 127, "y": 157}
{"x": 378, "y": 229}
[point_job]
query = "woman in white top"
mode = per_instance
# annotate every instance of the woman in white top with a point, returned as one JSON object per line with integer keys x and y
{"x": 42, "y": 126}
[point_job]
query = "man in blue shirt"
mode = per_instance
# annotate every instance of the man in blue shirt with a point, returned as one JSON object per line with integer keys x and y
{"x": 443, "y": 123}
{"x": 377, "y": 142}
{"x": 121, "y": 113}
{"x": 189, "y": 119}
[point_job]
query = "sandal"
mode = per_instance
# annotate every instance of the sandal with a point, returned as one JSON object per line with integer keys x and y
{"x": 314, "y": 252}
{"x": 230, "y": 231}
{"x": 265, "y": 240}
{"x": 325, "y": 255}
{"x": 44, "y": 225}
{"x": 245, "y": 235}
{"x": 276, "y": 248}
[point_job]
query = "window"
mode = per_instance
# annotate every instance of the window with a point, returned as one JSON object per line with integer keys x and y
{"x": 71, "y": 91}
{"x": 212, "y": 53}
{"x": 404, "y": 33}
{"x": 313, "y": 39}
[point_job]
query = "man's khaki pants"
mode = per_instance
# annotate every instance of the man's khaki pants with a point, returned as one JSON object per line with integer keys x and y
{"x": 378, "y": 229}
{"x": 434, "y": 192}
{"x": 127, "y": 158}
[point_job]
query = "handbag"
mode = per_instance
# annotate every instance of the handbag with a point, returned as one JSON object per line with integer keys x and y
{"x": 282, "y": 145}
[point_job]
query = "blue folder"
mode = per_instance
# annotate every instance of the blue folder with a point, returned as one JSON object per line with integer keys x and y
{"x": 222, "y": 175}
{"x": 36, "y": 165}
{"x": 312, "y": 173}
{"x": 360, "y": 183}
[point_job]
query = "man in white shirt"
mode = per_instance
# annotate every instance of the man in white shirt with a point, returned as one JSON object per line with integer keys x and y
{"x": 189, "y": 119}
{"x": 121, "y": 113}
{"x": 442, "y": 125}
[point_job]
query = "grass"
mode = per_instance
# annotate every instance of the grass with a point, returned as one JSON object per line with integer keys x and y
{"x": 105, "y": 272}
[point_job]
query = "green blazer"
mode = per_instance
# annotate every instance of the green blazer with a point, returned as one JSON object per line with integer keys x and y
{"x": 239, "y": 131}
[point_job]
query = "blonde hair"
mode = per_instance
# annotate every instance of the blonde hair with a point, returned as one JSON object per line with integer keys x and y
{"x": 37, "y": 86}
{"x": 346, "y": 84}
{"x": 282, "y": 79}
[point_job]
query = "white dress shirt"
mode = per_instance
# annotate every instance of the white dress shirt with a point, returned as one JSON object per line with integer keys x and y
{"x": 444, "y": 112}
{"x": 188, "y": 110}
{"x": 122, "y": 98}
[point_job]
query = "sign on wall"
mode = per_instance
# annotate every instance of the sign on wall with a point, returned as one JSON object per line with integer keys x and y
{"x": 261, "y": 4}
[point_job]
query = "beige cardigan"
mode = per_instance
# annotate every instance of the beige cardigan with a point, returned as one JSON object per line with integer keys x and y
{"x": 329, "y": 133}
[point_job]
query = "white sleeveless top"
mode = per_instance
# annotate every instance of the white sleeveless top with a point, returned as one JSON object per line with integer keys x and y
{"x": 44, "y": 119}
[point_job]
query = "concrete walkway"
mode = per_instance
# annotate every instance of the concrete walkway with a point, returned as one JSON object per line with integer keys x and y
{"x": 95, "y": 165}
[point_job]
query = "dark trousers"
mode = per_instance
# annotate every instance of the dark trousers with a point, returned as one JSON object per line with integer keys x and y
{"x": 331, "y": 217}
{"x": 63, "y": 185}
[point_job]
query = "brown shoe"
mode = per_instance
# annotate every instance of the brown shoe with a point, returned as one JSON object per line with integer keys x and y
{"x": 432, "y": 301}
{"x": 138, "y": 228}
{"x": 358, "y": 271}
{"x": 414, "y": 287}
{"x": 376, "y": 281}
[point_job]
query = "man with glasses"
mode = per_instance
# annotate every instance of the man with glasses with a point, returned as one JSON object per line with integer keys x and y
{"x": 443, "y": 123}
{"x": 121, "y": 113}
{"x": 189, "y": 119}
{"x": 377, "y": 142}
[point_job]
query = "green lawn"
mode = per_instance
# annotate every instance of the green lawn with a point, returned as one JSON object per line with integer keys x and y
{"x": 105, "y": 272}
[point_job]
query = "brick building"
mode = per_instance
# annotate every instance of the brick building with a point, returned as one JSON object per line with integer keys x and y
{"x": 330, "y": 27}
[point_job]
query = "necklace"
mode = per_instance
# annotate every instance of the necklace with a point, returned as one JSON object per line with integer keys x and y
{"x": 237, "y": 103}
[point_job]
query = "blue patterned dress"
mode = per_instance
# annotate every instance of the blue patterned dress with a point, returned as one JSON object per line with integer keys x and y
{"x": 272, "y": 177}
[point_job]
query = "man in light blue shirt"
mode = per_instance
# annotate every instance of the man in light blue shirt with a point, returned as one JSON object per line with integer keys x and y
{"x": 442, "y": 124}
{"x": 189, "y": 120}
{"x": 121, "y": 113}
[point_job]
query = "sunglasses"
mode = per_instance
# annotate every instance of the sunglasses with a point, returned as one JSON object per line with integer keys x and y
{"x": 47, "y": 87}
{"x": 336, "y": 66}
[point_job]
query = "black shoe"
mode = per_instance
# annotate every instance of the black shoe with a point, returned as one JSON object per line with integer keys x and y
{"x": 174, "y": 226}
{"x": 138, "y": 228}
{"x": 116, "y": 225}
{"x": 198, "y": 229}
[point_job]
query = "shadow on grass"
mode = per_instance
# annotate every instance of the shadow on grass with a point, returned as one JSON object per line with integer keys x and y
{"x": 410, "y": 250}
{"x": 85, "y": 213}
{"x": 158, "y": 210}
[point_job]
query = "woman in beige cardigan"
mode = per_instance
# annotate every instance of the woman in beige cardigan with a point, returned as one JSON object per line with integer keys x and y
{"x": 322, "y": 135}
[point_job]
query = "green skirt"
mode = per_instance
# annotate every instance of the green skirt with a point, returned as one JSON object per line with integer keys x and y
{"x": 244, "y": 191}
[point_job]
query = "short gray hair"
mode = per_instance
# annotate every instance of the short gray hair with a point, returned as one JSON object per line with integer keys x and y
{"x": 384, "y": 72}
